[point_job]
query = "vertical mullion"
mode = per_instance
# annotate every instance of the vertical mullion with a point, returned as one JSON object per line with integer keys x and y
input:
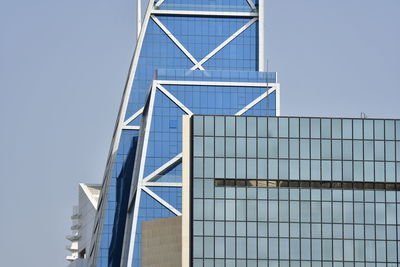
{"x": 288, "y": 160}
{"x": 374, "y": 211}
{"x": 396, "y": 192}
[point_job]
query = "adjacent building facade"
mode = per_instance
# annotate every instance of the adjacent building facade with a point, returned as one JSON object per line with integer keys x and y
{"x": 288, "y": 191}
{"x": 82, "y": 224}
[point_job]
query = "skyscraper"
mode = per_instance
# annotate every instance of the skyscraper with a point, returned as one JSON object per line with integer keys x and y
{"x": 192, "y": 56}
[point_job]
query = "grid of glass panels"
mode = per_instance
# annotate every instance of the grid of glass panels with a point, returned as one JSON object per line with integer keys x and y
{"x": 248, "y": 225}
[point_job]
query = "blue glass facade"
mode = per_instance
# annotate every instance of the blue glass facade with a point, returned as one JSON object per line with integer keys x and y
{"x": 174, "y": 46}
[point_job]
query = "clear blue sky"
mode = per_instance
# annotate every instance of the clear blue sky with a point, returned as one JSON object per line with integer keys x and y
{"x": 63, "y": 65}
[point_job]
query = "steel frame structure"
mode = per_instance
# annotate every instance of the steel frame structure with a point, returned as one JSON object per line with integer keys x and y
{"x": 153, "y": 9}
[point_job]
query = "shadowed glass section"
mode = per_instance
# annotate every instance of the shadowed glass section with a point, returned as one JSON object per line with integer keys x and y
{"x": 116, "y": 200}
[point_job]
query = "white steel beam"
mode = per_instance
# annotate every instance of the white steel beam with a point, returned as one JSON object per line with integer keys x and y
{"x": 212, "y": 83}
{"x": 147, "y": 127}
{"x": 128, "y": 127}
{"x": 204, "y": 13}
{"x": 278, "y": 100}
{"x": 261, "y": 36}
{"x": 174, "y": 99}
{"x": 161, "y": 201}
{"x": 176, "y": 42}
{"x": 134, "y": 116}
{"x": 162, "y": 184}
{"x": 252, "y": 5}
{"x": 164, "y": 167}
{"x": 159, "y": 3}
{"x": 255, "y": 102}
{"x": 222, "y": 45}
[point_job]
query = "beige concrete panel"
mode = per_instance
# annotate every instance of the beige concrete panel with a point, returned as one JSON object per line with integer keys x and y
{"x": 162, "y": 242}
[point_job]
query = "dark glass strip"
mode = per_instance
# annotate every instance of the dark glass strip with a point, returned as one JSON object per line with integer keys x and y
{"x": 346, "y": 185}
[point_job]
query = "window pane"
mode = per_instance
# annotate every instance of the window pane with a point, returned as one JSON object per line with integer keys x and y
{"x": 272, "y": 127}
{"x": 262, "y": 147}
{"x": 219, "y": 168}
{"x": 389, "y": 150}
{"x": 294, "y": 127}
{"x": 304, "y": 149}
{"x": 251, "y": 147}
{"x": 368, "y": 150}
{"x": 240, "y": 126}
{"x": 357, "y": 129}
{"x": 326, "y": 149}
{"x": 315, "y": 149}
{"x": 198, "y": 167}
{"x": 262, "y": 127}
{"x": 305, "y": 128}
{"x": 398, "y": 129}
{"x": 294, "y": 169}
{"x": 379, "y": 150}
{"x": 389, "y": 130}
{"x": 283, "y": 127}
{"x": 230, "y": 126}
{"x": 326, "y": 128}
{"x": 379, "y": 129}
{"x": 198, "y": 125}
{"x": 283, "y": 148}
{"x": 397, "y": 151}
{"x": 336, "y": 149}
{"x": 209, "y": 125}
{"x": 315, "y": 128}
{"x": 336, "y": 128}
{"x": 209, "y": 167}
{"x": 198, "y": 146}
{"x": 368, "y": 129}
{"x": 251, "y": 126}
{"x": 347, "y": 149}
{"x": 219, "y": 146}
{"x": 358, "y": 150}
{"x": 294, "y": 148}
{"x": 347, "y": 129}
{"x": 272, "y": 148}
{"x": 219, "y": 126}
{"x": 240, "y": 147}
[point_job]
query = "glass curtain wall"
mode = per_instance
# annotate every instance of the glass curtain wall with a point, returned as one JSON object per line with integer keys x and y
{"x": 295, "y": 191}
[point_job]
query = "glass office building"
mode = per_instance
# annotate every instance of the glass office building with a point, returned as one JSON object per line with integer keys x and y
{"x": 192, "y": 56}
{"x": 289, "y": 191}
